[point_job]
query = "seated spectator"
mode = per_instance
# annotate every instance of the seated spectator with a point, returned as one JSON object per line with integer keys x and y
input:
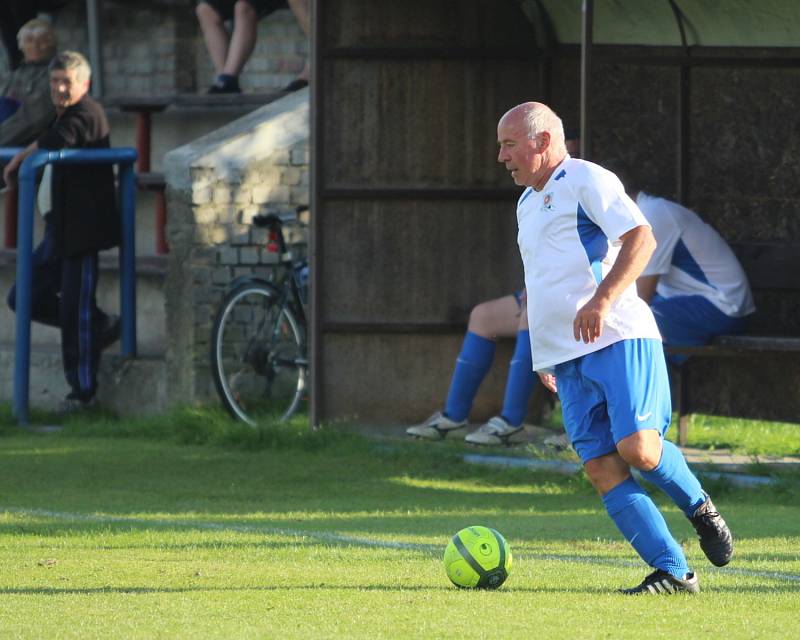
{"x": 504, "y": 317}
{"x": 13, "y": 15}
{"x": 693, "y": 282}
{"x": 83, "y": 221}
{"x": 25, "y": 104}
{"x": 230, "y": 52}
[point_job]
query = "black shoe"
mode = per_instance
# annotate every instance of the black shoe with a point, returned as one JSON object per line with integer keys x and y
{"x": 296, "y": 85}
{"x": 74, "y": 403}
{"x": 660, "y": 582}
{"x": 716, "y": 540}
{"x": 111, "y": 332}
{"x": 218, "y": 88}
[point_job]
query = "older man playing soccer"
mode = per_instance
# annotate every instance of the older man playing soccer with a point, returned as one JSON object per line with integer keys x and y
{"x": 583, "y": 243}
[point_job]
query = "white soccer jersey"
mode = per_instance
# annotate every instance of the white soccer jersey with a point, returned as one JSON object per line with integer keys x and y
{"x": 692, "y": 258}
{"x": 569, "y": 238}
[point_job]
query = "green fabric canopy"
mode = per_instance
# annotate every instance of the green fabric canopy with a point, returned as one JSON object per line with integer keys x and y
{"x": 711, "y": 23}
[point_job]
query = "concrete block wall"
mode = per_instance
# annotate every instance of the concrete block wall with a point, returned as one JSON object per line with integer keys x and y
{"x": 216, "y": 185}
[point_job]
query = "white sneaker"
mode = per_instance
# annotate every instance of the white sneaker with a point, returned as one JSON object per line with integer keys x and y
{"x": 559, "y": 442}
{"x": 496, "y": 431}
{"x": 436, "y": 427}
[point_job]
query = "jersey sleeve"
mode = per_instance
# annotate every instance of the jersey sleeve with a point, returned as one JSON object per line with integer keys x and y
{"x": 667, "y": 234}
{"x": 602, "y": 197}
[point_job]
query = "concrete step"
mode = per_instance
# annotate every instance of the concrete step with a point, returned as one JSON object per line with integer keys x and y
{"x": 151, "y": 317}
{"x": 125, "y": 386}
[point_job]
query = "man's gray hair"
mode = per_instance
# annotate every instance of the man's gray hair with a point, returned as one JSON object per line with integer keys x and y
{"x": 539, "y": 117}
{"x": 33, "y": 28}
{"x": 72, "y": 60}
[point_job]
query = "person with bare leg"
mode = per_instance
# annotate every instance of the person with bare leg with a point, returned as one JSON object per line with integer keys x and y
{"x": 230, "y": 51}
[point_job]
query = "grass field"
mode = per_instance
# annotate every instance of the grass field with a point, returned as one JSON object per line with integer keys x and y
{"x": 190, "y": 527}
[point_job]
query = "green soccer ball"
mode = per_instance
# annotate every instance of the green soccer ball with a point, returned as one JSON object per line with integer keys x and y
{"x": 477, "y": 558}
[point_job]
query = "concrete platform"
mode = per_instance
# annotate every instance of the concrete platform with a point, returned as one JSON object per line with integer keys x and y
{"x": 719, "y": 461}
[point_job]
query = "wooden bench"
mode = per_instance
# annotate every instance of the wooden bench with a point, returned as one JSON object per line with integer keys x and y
{"x": 769, "y": 268}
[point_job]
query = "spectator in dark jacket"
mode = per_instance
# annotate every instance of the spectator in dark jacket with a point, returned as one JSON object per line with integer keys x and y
{"x": 83, "y": 221}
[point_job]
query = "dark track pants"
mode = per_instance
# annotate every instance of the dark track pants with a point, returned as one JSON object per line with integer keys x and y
{"x": 63, "y": 295}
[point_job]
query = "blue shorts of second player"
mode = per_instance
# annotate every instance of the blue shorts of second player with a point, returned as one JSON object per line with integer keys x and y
{"x": 691, "y": 321}
{"x": 612, "y": 393}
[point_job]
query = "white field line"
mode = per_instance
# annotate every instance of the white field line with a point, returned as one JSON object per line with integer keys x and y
{"x": 344, "y": 539}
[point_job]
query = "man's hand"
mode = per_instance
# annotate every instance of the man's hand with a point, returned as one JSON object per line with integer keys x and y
{"x": 588, "y": 323}
{"x": 10, "y": 171}
{"x": 549, "y": 381}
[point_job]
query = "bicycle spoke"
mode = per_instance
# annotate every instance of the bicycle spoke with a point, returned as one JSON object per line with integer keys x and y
{"x": 258, "y": 355}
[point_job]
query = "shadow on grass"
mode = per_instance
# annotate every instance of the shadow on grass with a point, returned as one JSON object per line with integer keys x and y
{"x": 392, "y": 488}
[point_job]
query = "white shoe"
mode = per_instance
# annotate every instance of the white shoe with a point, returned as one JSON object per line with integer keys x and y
{"x": 559, "y": 442}
{"x": 436, "y": 427}
{"x": 496, "y": 431}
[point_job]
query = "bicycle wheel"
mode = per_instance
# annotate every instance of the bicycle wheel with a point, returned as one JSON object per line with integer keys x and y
{"x": 258, "y": 356}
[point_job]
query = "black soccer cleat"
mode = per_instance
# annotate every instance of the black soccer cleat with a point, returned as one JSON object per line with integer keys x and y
{"x": 716, "y": 540}
{"x": 660, "y": 582}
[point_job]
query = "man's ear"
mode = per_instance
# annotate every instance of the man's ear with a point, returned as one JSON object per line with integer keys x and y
{"x": 542, "y": 140}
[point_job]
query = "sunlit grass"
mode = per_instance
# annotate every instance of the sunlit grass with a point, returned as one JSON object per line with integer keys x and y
{"x": 143, "y": 537}
{"x": 753, "y": 437}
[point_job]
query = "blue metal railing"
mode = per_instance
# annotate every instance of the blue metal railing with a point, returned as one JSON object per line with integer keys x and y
{"x": 124, "y": 157}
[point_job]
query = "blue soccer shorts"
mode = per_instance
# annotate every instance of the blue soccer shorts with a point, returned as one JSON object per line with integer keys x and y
{"x": 612, "y": 393}
{"x": 691, "y": 320}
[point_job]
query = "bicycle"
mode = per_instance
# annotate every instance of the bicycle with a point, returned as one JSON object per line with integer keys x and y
{"x": 259, "y": 357}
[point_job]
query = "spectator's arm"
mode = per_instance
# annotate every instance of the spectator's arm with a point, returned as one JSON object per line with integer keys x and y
{"x": 10, "y": 171}
{"x": 646, "y": 287}
{"x": 27, "y": 122}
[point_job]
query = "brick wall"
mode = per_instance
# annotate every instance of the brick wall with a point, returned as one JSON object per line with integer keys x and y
{"x": 212, "y": 241}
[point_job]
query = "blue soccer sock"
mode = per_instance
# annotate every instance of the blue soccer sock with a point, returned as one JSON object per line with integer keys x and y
{"x": 472, "y": 364}
{"x": 673, "y": 477}
{"x": 521, "y": 380}
{"x": 642, "y": 524}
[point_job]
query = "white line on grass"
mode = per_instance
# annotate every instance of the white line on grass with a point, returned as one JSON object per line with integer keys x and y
{"x": 350, "y": 540}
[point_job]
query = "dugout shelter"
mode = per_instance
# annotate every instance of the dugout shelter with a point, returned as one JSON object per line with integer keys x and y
{"x": 413, "y": 218}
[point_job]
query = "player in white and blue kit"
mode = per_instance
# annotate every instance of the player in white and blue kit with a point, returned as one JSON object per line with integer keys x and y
{"x": 695, "y": 285}
{"x": 583, "y": 243}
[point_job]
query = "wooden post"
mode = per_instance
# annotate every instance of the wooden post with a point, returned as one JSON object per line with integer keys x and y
{"x": 161, "y": 221}
{"x": 143, "y": 132}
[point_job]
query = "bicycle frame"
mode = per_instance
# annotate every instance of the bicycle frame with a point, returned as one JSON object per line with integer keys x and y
{"x": 267, "y": 351}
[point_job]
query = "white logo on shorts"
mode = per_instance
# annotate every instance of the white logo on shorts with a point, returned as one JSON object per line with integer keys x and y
{"x": 644, "y": 417}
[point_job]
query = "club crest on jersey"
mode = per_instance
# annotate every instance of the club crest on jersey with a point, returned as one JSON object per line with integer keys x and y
{"x": 547, "y": 202}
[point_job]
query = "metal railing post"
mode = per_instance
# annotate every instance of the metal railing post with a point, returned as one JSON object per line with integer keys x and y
{"x": 127, "y": 259}
{"x": 124, "y": 157}
{"x": 26, "y": 184}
